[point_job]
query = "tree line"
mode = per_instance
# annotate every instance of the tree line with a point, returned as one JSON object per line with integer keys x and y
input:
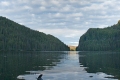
{"x": 97, "y": 39}
{"x": 14, "y": 36}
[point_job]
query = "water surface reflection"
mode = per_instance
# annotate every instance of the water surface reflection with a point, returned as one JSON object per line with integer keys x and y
{"x": 13, "y": 64}
{"x": 59, "y": 65}
{"x": 107, "y": 62}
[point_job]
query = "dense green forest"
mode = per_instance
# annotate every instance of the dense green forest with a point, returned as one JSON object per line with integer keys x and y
{"x": 101, "y": 39}
{"x": 14, "y": 36}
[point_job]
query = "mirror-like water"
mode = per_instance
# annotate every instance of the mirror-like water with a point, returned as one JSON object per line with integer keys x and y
{"x": 60, "y": 65}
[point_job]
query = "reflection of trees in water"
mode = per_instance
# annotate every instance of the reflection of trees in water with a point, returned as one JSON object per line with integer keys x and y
{"x": 107, "y": 62}
{"x": 12, "y": 64}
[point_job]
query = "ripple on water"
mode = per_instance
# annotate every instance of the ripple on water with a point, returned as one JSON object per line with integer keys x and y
{"x": 67, "y": 76}
{"x": 67, "y": 69}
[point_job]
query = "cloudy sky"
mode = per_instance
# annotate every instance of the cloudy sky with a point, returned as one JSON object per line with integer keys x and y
{"x": 65, "y": 19}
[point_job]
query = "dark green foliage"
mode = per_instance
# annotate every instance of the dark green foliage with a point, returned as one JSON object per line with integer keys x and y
{"x": 14, "y": 36}
{"x": 96, "y": 39}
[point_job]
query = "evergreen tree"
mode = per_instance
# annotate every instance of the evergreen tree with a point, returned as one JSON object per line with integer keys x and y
{"x": 105, "y": 39}
{"x": 14, "y": 36}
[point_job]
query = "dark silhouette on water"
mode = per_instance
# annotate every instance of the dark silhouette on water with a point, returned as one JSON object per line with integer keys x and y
{"x": 39, "y": 77}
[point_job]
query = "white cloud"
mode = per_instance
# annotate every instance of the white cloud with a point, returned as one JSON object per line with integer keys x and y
{"x": 70, "y": 35}
{"x": 102, "y": 26}
{"x": 55, "y": 2}
{"x": 66, "y": 8}
{"x": 109, "y": 3}
{"x": 27, "y": 7}
{"x": 74, "y": 43}
{"x": 42, "y": 8}
{"x": 58, "y": 15}
{"x": 77, "y": 18}
{"x": 73, "y": 1}
{"x": 95, "y": 7}
{"x": 5, "y": 3}
{"x": 84, "y": 2}
{"x": 64, "y": 32}
{"x": 77, "y": 14}
{"x": 33, "y": 15}
{"x": 43, "y": 3}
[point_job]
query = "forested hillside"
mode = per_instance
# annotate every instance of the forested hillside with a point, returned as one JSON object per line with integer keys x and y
{"x": 14, "y": 36}
{"x": 96, "y": 39}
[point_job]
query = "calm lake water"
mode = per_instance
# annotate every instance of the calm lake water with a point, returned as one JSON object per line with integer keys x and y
{"x": 60, "y": 65}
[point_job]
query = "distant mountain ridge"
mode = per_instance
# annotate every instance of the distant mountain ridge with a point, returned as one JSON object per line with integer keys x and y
{"x": 14, "y": 36}
{"x": 97, "y": 39}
